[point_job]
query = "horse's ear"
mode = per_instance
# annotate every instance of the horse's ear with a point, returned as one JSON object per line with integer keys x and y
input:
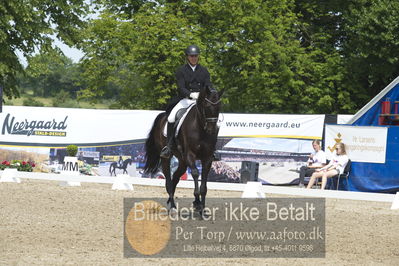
{"x": 208, "y": 89}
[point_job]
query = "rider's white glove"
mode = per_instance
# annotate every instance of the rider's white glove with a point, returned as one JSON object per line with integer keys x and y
{"x": 194, "y": 95}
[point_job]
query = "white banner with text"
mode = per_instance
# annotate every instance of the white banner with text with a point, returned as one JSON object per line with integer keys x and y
{"x": 57, "y": 127}
{"x": 272, "y": 126}
{"x": 363, "y": 143}
{"x": 52, "y": 127}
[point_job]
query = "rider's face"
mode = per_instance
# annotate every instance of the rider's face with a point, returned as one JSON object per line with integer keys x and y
{"x": 193, "y": 59}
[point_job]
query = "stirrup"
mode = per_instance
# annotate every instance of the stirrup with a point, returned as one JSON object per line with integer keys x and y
{"x": 165, "y": 153}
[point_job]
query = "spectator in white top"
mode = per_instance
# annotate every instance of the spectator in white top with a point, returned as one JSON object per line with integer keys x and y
{"x": 317, "y": 159}
{"x": 335, "y": 167}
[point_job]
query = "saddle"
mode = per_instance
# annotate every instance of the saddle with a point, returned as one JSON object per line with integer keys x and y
{"x": 180, "y": 116}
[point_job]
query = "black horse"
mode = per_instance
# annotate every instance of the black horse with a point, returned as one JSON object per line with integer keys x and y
{"x": 114, "y": 165}
{"x": 196, "y": 140}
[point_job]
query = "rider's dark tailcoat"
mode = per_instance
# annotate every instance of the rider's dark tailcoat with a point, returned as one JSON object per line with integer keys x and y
{"x": 191, "y": 81}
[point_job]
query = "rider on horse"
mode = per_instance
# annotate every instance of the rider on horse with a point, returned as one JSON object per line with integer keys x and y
{"x": 120, "y": 161}
{"x": 191, "y": 77}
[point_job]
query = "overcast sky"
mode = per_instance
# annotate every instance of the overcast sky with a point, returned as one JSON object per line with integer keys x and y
{"x": 72, "y": 53}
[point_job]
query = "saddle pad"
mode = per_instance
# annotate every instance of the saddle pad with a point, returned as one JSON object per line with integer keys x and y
{"x": 180, "y": 122}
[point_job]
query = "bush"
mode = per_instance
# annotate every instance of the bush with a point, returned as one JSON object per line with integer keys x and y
{"x": 63, "y": 99}
{"x": 72, "y": 150}
{"x": 114, "y": 106}
{"x": 66, "y": 104}
{"x": 32, "y": 102}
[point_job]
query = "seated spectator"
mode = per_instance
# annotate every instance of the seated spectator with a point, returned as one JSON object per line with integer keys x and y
{"x": 317, "y": 159}
{"x": 335, "y": 167}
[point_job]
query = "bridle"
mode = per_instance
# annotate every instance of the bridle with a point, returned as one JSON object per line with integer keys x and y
{"x": 203, "y": 117}
{"x": 213, "y": 103}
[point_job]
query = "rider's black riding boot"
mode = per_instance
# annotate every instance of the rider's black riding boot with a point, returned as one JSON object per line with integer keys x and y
{"x": 167, "y": 150}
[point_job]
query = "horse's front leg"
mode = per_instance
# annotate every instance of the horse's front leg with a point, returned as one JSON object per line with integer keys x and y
{"x": 206, "y": 166}
{"x": 195, "y": 175}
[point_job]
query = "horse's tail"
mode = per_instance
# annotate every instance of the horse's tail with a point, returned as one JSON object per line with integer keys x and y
{"x": 152, "y": 149}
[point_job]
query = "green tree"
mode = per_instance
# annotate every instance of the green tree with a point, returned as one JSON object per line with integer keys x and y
{"x": 289, "y": 56}
{"x": 255, "y": 53}
{"x": 320, "y": 33}
{"x": 359, "y": 38}
{"x": 135, "y": 60}
{"x": 26, "y": 25}
{"x": 51, "y": 71}
{"x": 250, "y": 47}
{"x": 370, "y": 50}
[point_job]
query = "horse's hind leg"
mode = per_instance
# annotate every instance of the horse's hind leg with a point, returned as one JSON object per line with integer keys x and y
{"x": 168, "y": 181}
{"x": 181, "y": 169}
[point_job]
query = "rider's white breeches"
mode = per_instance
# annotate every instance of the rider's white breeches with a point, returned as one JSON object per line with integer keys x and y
{"x": 184, "y": 103}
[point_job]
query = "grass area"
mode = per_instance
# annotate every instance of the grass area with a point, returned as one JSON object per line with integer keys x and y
{"x": 49, "y": 102}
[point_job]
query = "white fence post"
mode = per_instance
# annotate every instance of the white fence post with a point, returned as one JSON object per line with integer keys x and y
{"x": 10, "y": 175}
{"x": 122, "y": 183}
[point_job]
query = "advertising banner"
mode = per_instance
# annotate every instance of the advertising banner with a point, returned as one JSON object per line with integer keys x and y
{"x": 111, "y": 142}
{"x": 272, "y": 126}
{"x": 59, "y": 127}
{"x": 363, "y": 144}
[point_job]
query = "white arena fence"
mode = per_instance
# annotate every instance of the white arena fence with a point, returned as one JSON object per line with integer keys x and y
{"x": 127, "y": 182}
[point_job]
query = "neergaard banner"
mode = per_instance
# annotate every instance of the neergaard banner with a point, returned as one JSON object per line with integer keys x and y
{"x": 272, "y": 126}
{"x": 59, "y": 127}
{"x": 363, "y": 144}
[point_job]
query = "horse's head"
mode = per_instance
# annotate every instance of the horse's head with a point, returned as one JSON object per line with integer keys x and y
{"x": 209, "y": 103}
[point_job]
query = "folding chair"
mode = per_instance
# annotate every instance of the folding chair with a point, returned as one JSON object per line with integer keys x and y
{"x": 345, "y": 174}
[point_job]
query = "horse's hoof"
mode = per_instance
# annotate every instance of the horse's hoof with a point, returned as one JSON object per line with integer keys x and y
{"x": 170, "y": 205}
{"x": 173, "y": 212}
{"x": 197, "y": 205}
